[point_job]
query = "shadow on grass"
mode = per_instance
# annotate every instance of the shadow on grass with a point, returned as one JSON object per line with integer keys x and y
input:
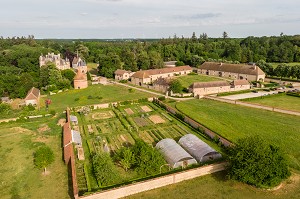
{"x": 220, "y": 176}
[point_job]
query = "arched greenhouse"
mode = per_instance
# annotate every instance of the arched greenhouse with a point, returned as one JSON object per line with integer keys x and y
{"x": 201, "y": 151}
{"x": 174, "y": 154}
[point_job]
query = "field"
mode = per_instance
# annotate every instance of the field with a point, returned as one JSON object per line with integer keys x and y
{"x": 218, "y": 186}
{"x": 92, "y": 68}
{"x": 114, "y": 128}
{"x": 18, "y": 176}
{"x": 98, "y": 94}
{"x": 187, "y": 80}
{"x": 278, "y": 101}
{"x": 233, "y": 122}
{"x": 289, "y": 64}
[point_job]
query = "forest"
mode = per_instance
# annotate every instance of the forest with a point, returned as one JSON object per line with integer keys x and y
{"x": 19, "y": 57}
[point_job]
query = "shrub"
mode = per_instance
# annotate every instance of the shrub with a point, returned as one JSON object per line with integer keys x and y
{"x": 256, "y": 162}
{"x": 123, "y": 81}
{"x": 90, "y": 97}
{"x": 52, "y": 112}
{"x": 161, "y": 98}
{"x": 76, "y": 99}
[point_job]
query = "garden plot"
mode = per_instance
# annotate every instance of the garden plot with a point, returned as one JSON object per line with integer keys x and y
{"x": 103, "y": 115}
{"x": 156, "y": 119}
{"x": 129, "y": 111}
{"x": 140, "y": 121}
{"x": 145, "y": 109}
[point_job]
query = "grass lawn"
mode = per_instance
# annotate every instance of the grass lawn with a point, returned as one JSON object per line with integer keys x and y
{"x": 233, "y": 122}
{"x": 99, "y": 94}
{"x": 92, "y": 68}
{"x": 289, "y": 64}
{"x": 278, "y": 101}
{"x": 217, "y": 186}
{"x": 18, "y": 176}
{"x": 187, "y": 80}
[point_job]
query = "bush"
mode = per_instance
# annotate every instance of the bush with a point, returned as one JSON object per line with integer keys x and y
{"x": 52, "y": 112}
{"x": 161, "y": 98}
{"x": 256, "y": 162}
{"x": 192, "y": 73}
{"x": 123, "y": 81}
{"x": 76, "y": 99}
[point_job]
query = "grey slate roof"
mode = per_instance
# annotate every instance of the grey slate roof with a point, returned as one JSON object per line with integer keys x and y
{"x": 73, "y": 118}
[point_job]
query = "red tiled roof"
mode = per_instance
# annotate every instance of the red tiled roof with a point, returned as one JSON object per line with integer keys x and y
{"x": 121, "y": 72}
{"x": 209, "y": 84}
{"x": 147, "y": 73}
{"x": 232, "y": 68}
{"x": 240, "y": 82}
{"x": 33, "y": 93}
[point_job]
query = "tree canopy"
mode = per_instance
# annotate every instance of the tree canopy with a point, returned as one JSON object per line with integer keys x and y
{"x": 256, "y": 162}
{"x": 43, "y": 157}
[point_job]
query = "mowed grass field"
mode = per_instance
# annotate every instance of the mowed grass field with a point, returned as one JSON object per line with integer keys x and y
{"x": 278, "y": 101}
{"x": 98, "y": 94}
{"x": 233, "y": 122}
{"x": 187, "y": 80}
{"x": 218, "y": 186}
{"x": 19, "y": 178}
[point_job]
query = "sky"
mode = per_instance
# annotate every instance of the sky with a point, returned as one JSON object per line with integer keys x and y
{"x": 111, "y": 19}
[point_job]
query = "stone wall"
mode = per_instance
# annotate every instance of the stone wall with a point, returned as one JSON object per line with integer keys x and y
{"x": 157, "y": 182}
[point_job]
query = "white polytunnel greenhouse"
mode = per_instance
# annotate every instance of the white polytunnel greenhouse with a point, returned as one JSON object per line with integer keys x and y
{"x": 174, "y": 154}
{"x": 201, "y": 151}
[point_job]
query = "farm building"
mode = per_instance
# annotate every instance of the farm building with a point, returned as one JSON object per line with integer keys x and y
{"x": 174, "y": 154}
{"x": 201, "y": 151}
{"x": 206, "y": 88}
{"x": 76, "y": 138}
{"x": 249, "y": 72}
{"x": 149, "y": 76}
{"x": 74, "y": 119}
{"x": 33, "y": 97}
{"x": 123, "y": 74}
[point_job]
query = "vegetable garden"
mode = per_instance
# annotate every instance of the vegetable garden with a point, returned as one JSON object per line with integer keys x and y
{"x": 110, "y": 130}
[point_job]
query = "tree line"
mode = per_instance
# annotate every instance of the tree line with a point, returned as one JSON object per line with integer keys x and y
{"x": 19, "y": 56}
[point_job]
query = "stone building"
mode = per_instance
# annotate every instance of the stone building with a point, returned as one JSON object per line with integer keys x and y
{"x": 249, "y": 72}
{"x": 60, "y": 63}
{"x": 80, "y": 79}
{"x": 149, "y": 76}
{"x": 33, "y": 97}
{"x": 123, "y": 74}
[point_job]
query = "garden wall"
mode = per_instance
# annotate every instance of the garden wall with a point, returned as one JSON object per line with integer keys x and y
{"x": 69, "y": 156}
{"x": 157, "y": 182}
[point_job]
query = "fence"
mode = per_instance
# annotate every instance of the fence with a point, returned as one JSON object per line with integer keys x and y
{"x": 157, "y": 182}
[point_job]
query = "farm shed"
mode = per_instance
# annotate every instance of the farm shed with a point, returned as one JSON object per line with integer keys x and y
{"x": 74, "y": 119}
{"x": 174, "y": 154}
{"x": 201, "y": 151}
{"x": 76, "y": 137}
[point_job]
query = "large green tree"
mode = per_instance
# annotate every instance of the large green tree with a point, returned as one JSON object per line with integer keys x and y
{"x": 256, "y": 162}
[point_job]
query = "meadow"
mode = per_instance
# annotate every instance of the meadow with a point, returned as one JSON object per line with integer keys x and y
{"x": 95, "y": 94}
{"x": 187, "y": 80}
{"x": 19, "y": 178}
{"x": 279, "y": 101}
{"x": 218, "y": 186}
{"x": 234, "y": 122}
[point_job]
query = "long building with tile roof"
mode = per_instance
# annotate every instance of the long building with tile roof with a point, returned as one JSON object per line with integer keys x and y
{"x": 149, "y": 76}
{"x": 249, "y": 72}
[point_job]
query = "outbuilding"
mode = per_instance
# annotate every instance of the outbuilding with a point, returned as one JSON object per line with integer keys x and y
{"x": 174, "y": 154}
{"x": 201, "y": 151}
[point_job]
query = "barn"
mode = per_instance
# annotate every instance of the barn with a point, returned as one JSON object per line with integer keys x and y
{"x": 174, "y": 154}
{"x": 201, "y": 151}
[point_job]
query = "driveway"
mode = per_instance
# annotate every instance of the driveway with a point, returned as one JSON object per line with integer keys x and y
{"x": 249, "y": 95}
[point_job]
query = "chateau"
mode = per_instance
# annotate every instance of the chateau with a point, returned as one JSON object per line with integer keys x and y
{"x": 60, "y": 63}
